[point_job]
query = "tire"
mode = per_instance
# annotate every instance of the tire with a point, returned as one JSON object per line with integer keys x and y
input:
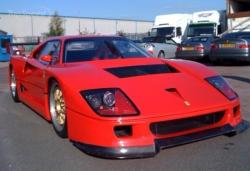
{"x": 205, "y": 59}
{"x": 231, "y": 134}
{"x": 13, "y": 86}
{"x": 161, "y": 54}
{"x": 57, "y": 109}
{"x": 216, "y": 62}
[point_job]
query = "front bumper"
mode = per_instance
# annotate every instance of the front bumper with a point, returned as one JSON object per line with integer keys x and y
{"x": 150, "y": 151}
{"x": 215, "y": 56}
{"x": 191, "y": 55}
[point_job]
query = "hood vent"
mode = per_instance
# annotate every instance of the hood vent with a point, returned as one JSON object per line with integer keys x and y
{"x": 140, "y": 70}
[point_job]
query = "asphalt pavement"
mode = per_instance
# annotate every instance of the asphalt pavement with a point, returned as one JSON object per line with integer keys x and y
{"x": 28, "y": 142}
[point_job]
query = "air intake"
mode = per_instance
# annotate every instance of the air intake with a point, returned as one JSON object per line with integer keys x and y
{"x": 132, "y": 71}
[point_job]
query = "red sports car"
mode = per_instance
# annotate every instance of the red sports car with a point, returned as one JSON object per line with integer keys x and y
{"x": 112, "y": 100}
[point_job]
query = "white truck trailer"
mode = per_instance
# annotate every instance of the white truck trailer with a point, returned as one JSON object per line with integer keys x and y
{"x": 171, "y": 25}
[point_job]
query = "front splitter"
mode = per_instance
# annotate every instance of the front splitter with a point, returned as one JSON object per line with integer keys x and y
{"x": 150, "y": 151}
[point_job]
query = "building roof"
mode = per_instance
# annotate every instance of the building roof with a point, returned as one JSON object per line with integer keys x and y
{"x": 46, "y": 15}
{"x": 238, "y": 8}
{"x": 3, "y": 32}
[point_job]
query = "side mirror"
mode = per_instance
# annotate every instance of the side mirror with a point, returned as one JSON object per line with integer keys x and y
{"x": 46, "y": 58}
{"x": 178, "y": 31}
{"x": 149, "y": 33}
{"x": 169, "y": 37}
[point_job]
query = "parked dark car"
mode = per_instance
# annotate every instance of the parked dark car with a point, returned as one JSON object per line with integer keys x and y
{"x": 195, "y": 48}
{"x": 231, "y": 46}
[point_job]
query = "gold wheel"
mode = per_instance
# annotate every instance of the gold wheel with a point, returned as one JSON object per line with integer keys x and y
{"x": 59, "y": 106}
{"x": 58, "y": 110}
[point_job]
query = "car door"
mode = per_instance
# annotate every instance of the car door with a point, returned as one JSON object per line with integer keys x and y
{"x": 34, "y": 74}
{"x": 171, "y": 47}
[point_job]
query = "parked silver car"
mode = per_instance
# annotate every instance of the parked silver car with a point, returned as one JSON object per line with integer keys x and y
{"x": 195, "y": 48}
{"x": 161, "y": 47}
{"x": 232, "y": 46}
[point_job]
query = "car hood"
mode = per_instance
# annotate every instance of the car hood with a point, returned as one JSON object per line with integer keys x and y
{"x": 178, "y": 91}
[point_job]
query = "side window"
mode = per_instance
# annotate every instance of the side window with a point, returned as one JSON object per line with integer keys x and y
{"x": 178, "y": 31}
{"x": 171, "y": 42}
{"x": 50, "y": 48}
{"x": 219, "y": 29}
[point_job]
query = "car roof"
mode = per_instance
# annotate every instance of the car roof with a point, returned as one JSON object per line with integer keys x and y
{"x": 202, "y": 36}
{"x": 199, "y": 39}
{"x": 82, "y": 36}
{"x": 238, "y": 33}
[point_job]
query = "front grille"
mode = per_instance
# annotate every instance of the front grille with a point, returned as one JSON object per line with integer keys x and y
{"x": 174, "y": 126}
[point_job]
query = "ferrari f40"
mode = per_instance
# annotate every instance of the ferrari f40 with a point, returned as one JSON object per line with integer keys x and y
{"x": 112, "y": 100}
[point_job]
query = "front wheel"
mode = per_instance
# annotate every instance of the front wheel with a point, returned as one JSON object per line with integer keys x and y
{"x": 58, "y": 110}
{"x": 13, "y": 86}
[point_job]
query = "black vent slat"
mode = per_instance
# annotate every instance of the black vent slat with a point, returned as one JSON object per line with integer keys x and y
{"x": 132, "y": 71}
{"x": 174, "y": 126}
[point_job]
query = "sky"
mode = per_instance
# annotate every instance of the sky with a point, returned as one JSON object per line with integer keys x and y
{"x": 115, "y": 9}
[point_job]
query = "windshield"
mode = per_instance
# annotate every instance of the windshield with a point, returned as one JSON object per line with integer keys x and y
{"x": 158, "y": 40}
{"x": 101, "y": 48}
{"x": 201, "y": 29}
{"x": 164, "y": 31}
{"x": 154, "y": 39}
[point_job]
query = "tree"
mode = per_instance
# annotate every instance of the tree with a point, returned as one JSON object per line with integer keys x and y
{"x": 55, "y": 26}
{"x": 121, "y": 33}
{"x": 84, "y": 32}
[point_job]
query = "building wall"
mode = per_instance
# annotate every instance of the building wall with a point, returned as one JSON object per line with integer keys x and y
{"x": 16, "y": 25}
{"x": 105, "y": 26}
{"x": 40, "y": 25}
{"x": 37, "y": 25}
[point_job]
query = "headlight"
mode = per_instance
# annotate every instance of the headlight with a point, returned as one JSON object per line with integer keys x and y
{"x": 110, "y": 102}
{"x": 150, "y": 48}
{"x": 220, "y": 84}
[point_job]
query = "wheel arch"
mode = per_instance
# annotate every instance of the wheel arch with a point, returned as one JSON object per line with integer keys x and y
{"x": 10, "y": 66}
{"x": 161, "y": 51}
{"x": 9, "y": 70}
{"x": 47, "y": 106}
{"x": 50, "y": 82}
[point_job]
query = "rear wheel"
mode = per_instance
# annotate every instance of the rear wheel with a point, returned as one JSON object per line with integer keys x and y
{"x": 58, "y": 110}
{"x": 13, "y": 86}
{"x": 161, "y": 54}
